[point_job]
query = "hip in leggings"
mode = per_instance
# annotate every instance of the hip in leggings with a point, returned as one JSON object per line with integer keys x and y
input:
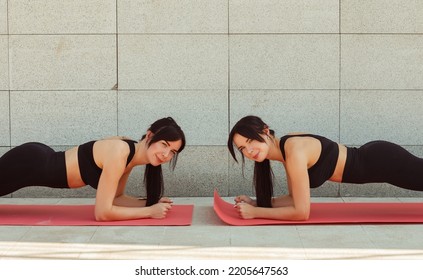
{"x": 383, "y": 162}
{"x": 32, "y": 164}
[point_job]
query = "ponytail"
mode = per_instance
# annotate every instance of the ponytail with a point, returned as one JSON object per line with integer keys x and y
{"x": 153, "y": 180}
{"x": 263, "y": 183}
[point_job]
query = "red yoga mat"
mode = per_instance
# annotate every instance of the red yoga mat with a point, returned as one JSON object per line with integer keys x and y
{"x": 333, "y": 213}
{"x": 83, "y": 215}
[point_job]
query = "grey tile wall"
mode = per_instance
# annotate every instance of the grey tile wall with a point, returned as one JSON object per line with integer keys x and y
{"x": 289, "y": 16}
{"x": 62, "y": 17}
{"x": 4, "y": 63}
{"x": 393, "y": 115}
{"x": 380, "y": 16}
{"x": 200, "y": 170}
{"x": 284, "y": 61}
{"x": 289, "y": 110}
{"x": 3, "y": 17}
{"x": 62, "y": 117}
{"x": 195, "y": 174}
{"x": 173, "y": 62}
{"x": 381, "y": 61}
{"x": 72, "y": 71}
{"x": 4, "y": 119}
{"x": 51, "y": 62}
{"x": 138, "y": 109}
{"x": 183, "y": 16}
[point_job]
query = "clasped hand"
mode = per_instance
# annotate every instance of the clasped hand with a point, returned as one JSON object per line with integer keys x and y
{"x": 245, "y": 206}
{"x": 160, "y": 209}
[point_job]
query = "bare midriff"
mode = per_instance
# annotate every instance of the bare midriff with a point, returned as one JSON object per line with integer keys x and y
{"x": 340, "y": 164}
{"x": 72, "y": 169}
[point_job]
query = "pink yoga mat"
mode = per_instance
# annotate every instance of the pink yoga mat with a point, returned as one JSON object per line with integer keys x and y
{"x": 333, "y": 213}
{"x": 83, "y": 215}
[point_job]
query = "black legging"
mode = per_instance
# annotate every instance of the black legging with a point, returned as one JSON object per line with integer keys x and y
{"x": 383, "y": 162}
{"x": 32, "y": 164}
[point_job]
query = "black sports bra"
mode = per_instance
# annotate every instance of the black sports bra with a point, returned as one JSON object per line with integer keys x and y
{"x": 90, "y": 172}
{"x": 323, "y": 169}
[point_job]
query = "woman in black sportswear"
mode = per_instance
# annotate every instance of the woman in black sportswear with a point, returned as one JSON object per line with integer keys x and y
{"x": 103, "y": 164}
{"x": 309, "y": 161}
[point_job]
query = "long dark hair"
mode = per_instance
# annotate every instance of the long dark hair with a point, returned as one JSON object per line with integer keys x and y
{"x": 163, "y": 129}
{"x": 251, "y": 127}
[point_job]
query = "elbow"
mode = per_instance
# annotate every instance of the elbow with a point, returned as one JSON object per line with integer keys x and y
{"x": 102, "y": 216}
{"x": 302, "y": 214}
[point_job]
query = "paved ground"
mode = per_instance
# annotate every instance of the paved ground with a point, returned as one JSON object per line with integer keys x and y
{"x": 209, "y": 238}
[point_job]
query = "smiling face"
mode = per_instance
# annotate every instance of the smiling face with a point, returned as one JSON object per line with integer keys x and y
{"x": 251, "y": 149}
{"x": 162, "y": 151}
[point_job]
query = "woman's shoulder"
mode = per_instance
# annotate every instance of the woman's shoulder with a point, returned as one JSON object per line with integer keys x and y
{"x": 114, "y": 147}
{"x": 295, "y": 137}
{"x": 112, "y": 153}
{"x": 301, "y": 135}
{"x": 298, "y": 142}
{"x": 117, "y": 138}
